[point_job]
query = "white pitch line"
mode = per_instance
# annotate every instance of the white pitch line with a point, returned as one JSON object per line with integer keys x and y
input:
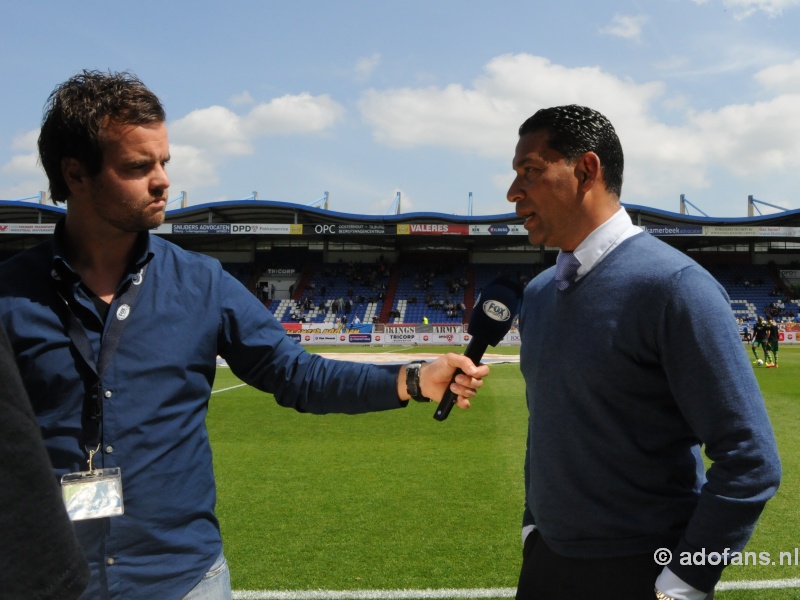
{"x": 446, "y": 594}
{"x": 767, "y": 584}
{"x": 440, "y": 594}
{"x": 229, "y": 388}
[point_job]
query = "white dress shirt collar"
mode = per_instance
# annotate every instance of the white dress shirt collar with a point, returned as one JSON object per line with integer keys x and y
{"x": 599, "y": 244}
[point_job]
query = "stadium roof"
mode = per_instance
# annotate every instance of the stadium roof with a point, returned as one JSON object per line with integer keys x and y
{"x": 320, "y": 222}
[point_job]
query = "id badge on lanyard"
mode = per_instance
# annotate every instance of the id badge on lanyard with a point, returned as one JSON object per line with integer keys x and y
{"x": 93, "y": 494}
{"x": 96, "y": 493}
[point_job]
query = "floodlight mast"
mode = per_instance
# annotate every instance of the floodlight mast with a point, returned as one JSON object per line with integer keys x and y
{"x": 394, "y": 209}
{"x": 321, "y": 202}
{"x": 684, "y": 202}
{"x": 751, "y": 206}
{"x": 184, "y": 198}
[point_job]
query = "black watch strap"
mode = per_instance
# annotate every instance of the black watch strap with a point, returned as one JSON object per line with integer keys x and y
{"x": 412, "y": 381}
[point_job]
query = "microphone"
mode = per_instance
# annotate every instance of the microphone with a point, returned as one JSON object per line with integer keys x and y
{"x": 490, "y": 321}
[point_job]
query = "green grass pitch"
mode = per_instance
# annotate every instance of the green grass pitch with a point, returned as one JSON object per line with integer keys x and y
{"x": 397, "y": 500}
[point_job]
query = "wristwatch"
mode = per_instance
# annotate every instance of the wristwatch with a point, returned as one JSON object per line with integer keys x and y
{"x": 412, "y": 381}
{"x": 662, "y": 596}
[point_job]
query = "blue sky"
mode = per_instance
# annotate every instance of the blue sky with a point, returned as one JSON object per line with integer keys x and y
{"x": 364, "y": 99}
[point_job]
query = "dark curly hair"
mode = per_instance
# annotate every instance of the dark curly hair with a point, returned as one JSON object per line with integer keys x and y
{"x": 574, "y": 130}
{"x": 76, "y": 113}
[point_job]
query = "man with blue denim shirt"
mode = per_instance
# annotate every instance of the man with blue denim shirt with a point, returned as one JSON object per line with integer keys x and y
{"x": 154, "y": 318}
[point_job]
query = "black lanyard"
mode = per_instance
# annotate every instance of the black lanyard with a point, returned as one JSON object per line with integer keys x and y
{"x": 92, "y": 415}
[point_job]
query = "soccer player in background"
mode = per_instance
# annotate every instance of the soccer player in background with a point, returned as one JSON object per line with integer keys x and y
{"x": 760, "y": 338}
{"x": 773, "y": 333}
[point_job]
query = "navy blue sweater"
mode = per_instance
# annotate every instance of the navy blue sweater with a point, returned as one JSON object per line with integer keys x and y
{"x": 628, "y": 372}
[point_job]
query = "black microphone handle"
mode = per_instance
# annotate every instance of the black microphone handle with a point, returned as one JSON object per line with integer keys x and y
{"x": 474, "y": 351}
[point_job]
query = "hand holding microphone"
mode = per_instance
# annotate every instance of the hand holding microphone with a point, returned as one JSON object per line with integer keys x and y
{"x": 491, "y": 319}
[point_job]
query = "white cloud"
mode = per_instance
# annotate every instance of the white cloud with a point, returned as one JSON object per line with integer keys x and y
{"x": 27, "y": 141}
{"x": 216, "y": 129}
{"x": 746, "y": 8}
{"x": 220, "y": 131}
{"x": 242, "y": 99}
{"x": 201, "y": 139}
{"x": 303, "y": 113}
{"x": 25, "y": 163}
{"x": 781, "y": 78}
{"x": 22, "y": 165}
{"x": 773, "y": 8}
{"x": 753, "y": 140}
{"x": 626, "y": 26}
{"x": 190, "y": 168}
{"x": 365, "y": 66}
{"x": 484, "y": 118}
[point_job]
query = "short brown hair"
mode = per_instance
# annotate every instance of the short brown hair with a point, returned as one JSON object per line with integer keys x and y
{"x": 76, "y": 112}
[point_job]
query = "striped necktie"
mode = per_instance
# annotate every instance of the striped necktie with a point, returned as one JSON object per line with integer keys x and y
{"x": 566, "y": 268}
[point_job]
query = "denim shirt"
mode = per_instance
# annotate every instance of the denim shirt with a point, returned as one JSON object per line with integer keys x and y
{"x": 155, "y": 393}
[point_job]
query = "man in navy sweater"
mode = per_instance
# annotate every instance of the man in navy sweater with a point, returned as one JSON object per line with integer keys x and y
{"x": 618, "y": 502}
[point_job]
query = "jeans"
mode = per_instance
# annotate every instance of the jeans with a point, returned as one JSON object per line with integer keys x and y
{"x": 215, "y": 585}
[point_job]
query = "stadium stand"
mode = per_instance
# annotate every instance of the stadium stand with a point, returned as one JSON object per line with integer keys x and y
{"x": 435, "y": 290}
{"x": 337, "y": 293}
{"x": 755, "y": 290}
{"x": 436, "y": 264}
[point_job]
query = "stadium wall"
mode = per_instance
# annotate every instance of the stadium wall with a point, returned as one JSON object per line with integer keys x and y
{"x": 231, "y": 257}
{"x": 507, "y": 257}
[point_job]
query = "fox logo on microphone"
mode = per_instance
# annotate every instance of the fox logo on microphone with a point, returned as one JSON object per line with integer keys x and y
{"x": 496, "y": 310}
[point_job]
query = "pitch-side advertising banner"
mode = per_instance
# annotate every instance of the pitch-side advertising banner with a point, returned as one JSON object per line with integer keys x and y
{"x": 497, "y": 230}
{"x": 28, "y": 228}
{"x": 266, "y": 229}
{"x": 442, "y": 339}
{"x": 432, "y": 229}
{"x": 789, "y": 333}
{"x": 392, "y": 335}
{"x": 750, "y": 231}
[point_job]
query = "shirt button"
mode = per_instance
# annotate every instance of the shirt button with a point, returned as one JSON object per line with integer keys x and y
{"x": 109, "y": 449}
{"x": 108, "y": 394}
{"x": 110, "y": 560}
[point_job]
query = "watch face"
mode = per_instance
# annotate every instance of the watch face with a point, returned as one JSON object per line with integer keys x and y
{"x": 412, "y": 380}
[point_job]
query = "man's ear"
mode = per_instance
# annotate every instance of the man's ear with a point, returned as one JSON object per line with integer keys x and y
{"x": 588, "y": 171}
{"x": 74, "y": 174}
